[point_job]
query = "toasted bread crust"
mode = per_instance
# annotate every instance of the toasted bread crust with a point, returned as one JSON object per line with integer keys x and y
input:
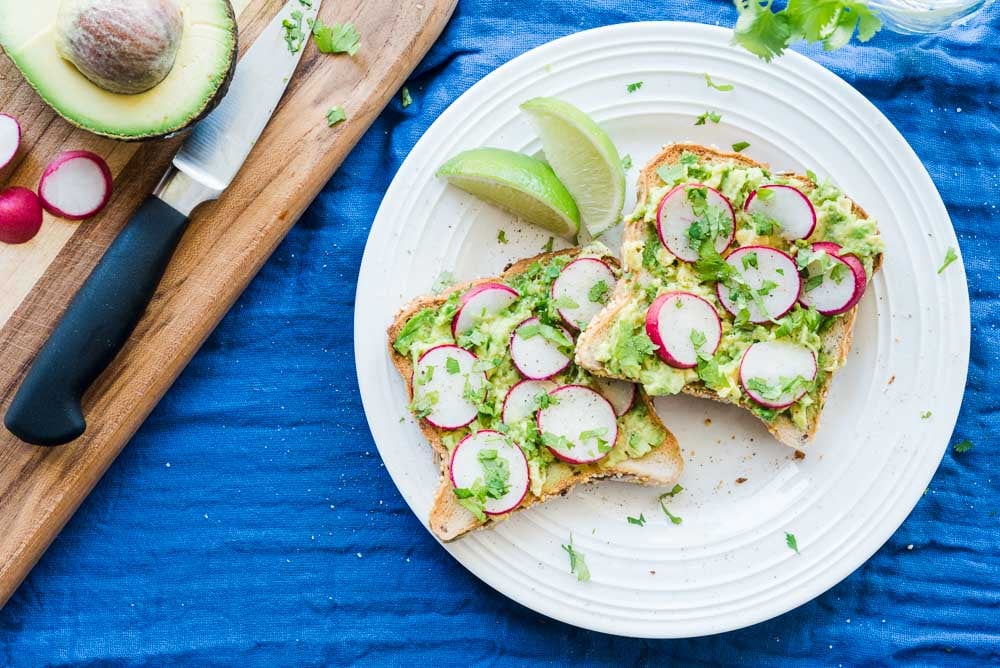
{"x": 448, "y": 519}
{"x": 836, "y": 341}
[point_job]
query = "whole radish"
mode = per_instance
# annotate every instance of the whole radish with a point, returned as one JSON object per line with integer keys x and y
{"x": 20, "y": 215}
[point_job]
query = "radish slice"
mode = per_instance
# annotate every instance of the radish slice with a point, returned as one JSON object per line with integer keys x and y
{"x": 766, "y": 283}
{"x": 580, "y": 427}
{"x": 582, "y": 289}
{"x": 620, "y": 393}
{"x": 675, "y": 217}
{"x": 534, "y": 355}
{"x": 481, "y": 301}
{"x": 776, "y": 374}
{"x": 20, "y": 215}
{"x": 860, "y": 278}
{"x": 440, "y": 387}
{"x": 521, "y": 401}
{"x": 786, "y": 205}
{"x": 76, "y": 185}
{"x": 10, "y": 139}
{"x": 475, "y": 453}
{"x": 828, "y": 247}
{"x": 682, "y": 325}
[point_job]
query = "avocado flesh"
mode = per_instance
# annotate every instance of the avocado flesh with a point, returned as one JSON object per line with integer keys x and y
{"x": 197, "y": 81}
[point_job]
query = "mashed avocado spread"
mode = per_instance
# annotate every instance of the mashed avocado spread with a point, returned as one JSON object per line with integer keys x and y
{"x": 652, "y": 270}
{"x": 489, "y": 341}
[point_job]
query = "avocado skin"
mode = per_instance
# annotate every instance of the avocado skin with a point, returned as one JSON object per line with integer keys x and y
{"x": 207, "y": 108}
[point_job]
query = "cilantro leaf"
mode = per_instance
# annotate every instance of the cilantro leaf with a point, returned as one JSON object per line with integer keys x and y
{"x": 925, "y": 415}
{"x": 760, "y": 31}
{"x": 502, "y": 237}
{"x": 405, "y": 98}
{"x": 767, "y": 33}
{"x": 633, "y": 87}
{"x": 598, "y": 293}
{"x": 713, "y": 116}
{"x": 294, "y": 37}
{"x": 335, "y": 115}
{"x": 677, "y": 489}
{"x": 740, "y": 146}
{"x": 791, "y": 542}
{"x": 725, "y": 88}
{"x": 547, "y": 248}
{"x": 638, "y": 521}
{"x": 963, "y": 446}
{"x": 627, "y": 162}
{"x": 577, "y": 562}
{"x": 451, "y": 364}
{"x": 949, "y": 257}
{"x": 336, "y": 37}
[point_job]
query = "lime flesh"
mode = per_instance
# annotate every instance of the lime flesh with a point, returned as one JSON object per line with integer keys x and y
{"x": 517, "y": 183}
{"x": 584, "y": 158}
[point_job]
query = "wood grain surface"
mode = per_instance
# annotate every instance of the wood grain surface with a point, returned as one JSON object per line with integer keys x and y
{"x": 227, "y": 243}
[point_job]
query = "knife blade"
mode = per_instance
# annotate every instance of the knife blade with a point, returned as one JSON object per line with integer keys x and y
{"x": 47, "y": 409}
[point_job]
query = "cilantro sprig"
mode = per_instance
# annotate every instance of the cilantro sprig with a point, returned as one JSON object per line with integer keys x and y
{"x": 766, "y": 32}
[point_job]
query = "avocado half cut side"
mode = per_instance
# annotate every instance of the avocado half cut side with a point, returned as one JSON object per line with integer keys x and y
{"x": 197, "y": 82}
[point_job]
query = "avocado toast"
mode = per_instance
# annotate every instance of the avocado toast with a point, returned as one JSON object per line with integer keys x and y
{"x": 513, "y": 421}
{"x": 741, "y": 286}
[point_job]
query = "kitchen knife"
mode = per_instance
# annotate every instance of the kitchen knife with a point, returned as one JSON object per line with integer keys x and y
{"x": 47, "y": 407}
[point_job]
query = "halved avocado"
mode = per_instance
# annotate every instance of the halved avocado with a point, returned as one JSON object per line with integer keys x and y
{"x": 199, "y": 78}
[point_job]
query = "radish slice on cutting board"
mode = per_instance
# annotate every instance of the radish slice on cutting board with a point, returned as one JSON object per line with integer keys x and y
{"x": 769, "y": 373}
{"x": 581, "y": 425}
{"x": 768, "y": 283}
{"x": 481, "y": 301}
{"x": 786, "y": 205}
{"x": 676, "y": 322}
{"x": 521, "y": 401}
{"x": 20, "y": 215}
{"x": 675, "y": 217}
{"x": 433, "y": 378}
{"x": 833, "y": 284}
{"x": 535, "y": 356}
{"x": 75, "y": 185}
{"x": 477, "y": 451}
{"x": 620, "y": 393}
{"x": 577, "y": 283}
{"x": 10, "y": 139}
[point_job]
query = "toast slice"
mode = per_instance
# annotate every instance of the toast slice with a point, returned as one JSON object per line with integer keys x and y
{"x": 644, "y": 452}
{"x": 642, "y": 249}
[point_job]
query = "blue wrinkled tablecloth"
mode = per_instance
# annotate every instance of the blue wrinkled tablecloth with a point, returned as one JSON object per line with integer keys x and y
{"x": 251, "y": 521}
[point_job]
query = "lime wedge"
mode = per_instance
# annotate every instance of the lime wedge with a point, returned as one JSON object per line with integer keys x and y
{"x": 584, "y": 158}
{"x": 526, "y": 187}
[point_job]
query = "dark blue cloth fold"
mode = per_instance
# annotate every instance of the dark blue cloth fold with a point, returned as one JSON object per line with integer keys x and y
{"x": 251, "y": 522}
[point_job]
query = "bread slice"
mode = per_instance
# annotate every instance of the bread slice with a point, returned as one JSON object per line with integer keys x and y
{"x": 836, "y": 341}
{"x": 662, "y": 465}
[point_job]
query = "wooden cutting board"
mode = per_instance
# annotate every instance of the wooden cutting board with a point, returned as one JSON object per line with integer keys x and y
{"x": 226, "y": 245}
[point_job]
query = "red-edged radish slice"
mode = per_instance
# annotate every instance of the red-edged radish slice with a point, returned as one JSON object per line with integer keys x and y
{"x": 860, "y": 277}
{"x": 75, "y": 185}
{"x": 676, "y": 321}
{"x": 786, "y": 205}
{"x": 776, "y": 374}
{"x": 435, "y": 384}
{"x": 766, "y": 283}
{"x": 535, "y": 356}
{"x": 833, "y": 285}
{"x": 20, "y": 215}
{"x": 475, "y": 452}
{"x": 828, "y": 247}
{"x": 481, "y": 301}
{"x": 675, "y": 217}
{"x": 620, "y": 393}
{"x": 581, "y": 425}
{"x": 521, "y": 401}
{"x": 10, "y": 139}
{"x": 573, "y": 289}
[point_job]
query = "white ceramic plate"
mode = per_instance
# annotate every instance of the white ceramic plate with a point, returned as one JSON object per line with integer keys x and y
{"x": 727, "y": 566}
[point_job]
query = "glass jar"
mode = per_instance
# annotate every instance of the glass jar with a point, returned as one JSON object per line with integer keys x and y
{"x": 925, "y": 16}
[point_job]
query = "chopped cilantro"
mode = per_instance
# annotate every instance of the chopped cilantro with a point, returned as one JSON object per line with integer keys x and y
{"x": 427, "y": 375}
{"x": 925, "y": 415}
{"x": 565, "y": 302}
{"x": 451, "y": 364}
{"x": 764, "y": 225}
{"x": 633, "y": 87}
{"x": 811, "y": 175}
{"x": 673, "y": 173}
{"x": 294, "y": 37}
{"x": 749, "y": 260}
{"x": 502, "y": 237}
{"x": 713, "y": 116}
{"x": 405, "y": 98}
{"x": 791, "y": 542}
{"x": 597, "y": 435}
{"x": 335, "y": 115}
{"x": 698, "y": 340}
{"x": 556, "y": 442}
{"x": 814, "y": 282}
{"x": 336, "y": 37}
{"x": 677, "y": 489}
{"x": 627, "y": 162}
{"x": 963, "y": 446}
{"x": 552, "y": 334}
{"x": 725, "y": 88}
{"x": 544, "y": 400}
{"x": 577, "y": 562}
{"x": 638, "y": 521}
{"x": 598, "y": 293}
{"x": 410, "y": 331}
{"x": 949, "y": 257}
{"x": 496, "y": 473}
{"x": 424, "y": 405}
{"x": 839, "y": 272}
{"x": 547, "y": 248}
{"x": 632, "y": 348}
{"x": 473, "y": 499}
{"x": 740, "y": 146}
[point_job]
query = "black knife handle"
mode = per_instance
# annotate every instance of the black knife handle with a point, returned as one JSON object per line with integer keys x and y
{"x": 46, "y": 409}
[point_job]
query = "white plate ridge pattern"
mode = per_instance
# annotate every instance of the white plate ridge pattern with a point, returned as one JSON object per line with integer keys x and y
{"x": 874, "y": 455}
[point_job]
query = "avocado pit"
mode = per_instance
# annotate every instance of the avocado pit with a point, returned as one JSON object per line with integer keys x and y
{"x": 123, "y": 46}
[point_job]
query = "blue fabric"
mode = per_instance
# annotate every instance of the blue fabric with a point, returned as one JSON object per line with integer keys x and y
{"x": 251, "y": 521}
